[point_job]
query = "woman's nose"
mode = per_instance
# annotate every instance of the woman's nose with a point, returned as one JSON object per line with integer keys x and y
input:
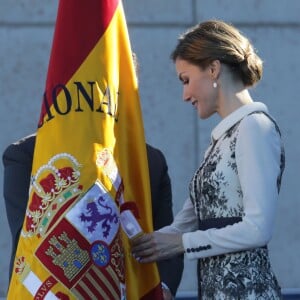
{"x": 185, "y": 95}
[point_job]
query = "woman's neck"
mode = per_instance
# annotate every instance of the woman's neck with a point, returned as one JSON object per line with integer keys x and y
{"x": 233, "y": 100}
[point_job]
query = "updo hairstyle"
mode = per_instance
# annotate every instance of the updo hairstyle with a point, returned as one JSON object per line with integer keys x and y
{"x": 217, "y": 40}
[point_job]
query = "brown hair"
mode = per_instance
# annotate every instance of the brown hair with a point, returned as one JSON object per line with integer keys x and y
{"x": 216, "y": 39}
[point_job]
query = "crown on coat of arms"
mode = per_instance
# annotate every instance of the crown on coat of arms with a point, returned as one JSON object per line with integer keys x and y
{"x": 51, "y": 190}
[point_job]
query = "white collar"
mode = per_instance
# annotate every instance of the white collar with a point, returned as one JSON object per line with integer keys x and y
{"x": 236, "y": 116}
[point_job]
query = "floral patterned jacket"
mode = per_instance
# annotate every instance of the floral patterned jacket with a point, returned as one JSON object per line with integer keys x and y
{"x": 239, "y": 179}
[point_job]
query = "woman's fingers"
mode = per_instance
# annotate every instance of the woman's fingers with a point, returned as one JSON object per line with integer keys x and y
{"x": 156, "y": 246}
{"x": 142, "y": 247}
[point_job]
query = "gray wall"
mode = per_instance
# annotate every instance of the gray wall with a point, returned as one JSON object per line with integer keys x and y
{"x": 26, "y": 29}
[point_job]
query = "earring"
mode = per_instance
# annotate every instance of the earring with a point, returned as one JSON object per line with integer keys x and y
{"x": 215, "y": 85}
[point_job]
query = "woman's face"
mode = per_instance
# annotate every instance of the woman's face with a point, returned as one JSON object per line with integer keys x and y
{"x": 197, "y": 87}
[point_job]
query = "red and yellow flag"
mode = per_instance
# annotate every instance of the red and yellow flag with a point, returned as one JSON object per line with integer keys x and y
{"x": 89, "y": 164}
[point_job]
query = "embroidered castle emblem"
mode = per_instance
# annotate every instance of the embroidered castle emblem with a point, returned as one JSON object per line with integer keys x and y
{"x": 67, "y": 255}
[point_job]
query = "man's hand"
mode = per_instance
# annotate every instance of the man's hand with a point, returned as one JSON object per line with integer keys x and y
{"x": 155, "y": 246}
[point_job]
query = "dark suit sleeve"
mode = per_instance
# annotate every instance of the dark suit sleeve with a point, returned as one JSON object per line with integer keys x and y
{"x": 170, "y": 270}
{"x": 17, "y": 161}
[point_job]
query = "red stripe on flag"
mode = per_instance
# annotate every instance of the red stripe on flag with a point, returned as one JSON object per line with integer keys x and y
{"x": 109, "y": 278}
{"x": 97, "y": 294}
{"x": 77, "y": 30}
{"x": 115, "y": 285}
{"x": 79, "y": 289}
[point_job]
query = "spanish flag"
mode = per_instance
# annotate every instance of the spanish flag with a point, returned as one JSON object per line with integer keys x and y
{"x": 89, "y": 167}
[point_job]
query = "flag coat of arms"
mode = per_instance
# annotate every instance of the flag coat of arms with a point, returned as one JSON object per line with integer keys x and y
{"x": 89, "y": 165}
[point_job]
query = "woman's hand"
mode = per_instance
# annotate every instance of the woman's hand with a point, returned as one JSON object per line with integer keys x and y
{"x": 151, "y": 247}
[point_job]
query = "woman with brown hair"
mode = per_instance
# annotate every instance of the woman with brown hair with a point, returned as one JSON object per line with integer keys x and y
{"x": 228, "y": 218}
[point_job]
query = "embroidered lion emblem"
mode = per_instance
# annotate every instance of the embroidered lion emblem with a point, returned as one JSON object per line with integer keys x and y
{"x": 99, "y": 214}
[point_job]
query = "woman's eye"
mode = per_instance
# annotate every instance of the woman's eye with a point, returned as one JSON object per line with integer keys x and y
{"x": 184, "y": 80}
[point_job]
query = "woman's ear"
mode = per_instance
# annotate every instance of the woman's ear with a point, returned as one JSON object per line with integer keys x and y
{"x": 215, "y": 69}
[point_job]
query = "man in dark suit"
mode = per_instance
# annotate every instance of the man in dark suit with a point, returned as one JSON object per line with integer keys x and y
{"x": 17, "y": 160}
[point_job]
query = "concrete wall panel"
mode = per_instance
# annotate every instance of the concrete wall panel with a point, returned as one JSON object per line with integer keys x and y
{"x": 250, "y": 11}
{"x": 157, "y": 11}
{"x": 28, "y": 11}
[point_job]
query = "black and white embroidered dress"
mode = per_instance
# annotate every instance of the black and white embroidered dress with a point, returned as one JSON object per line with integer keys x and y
{"x": 228, "y": 219}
